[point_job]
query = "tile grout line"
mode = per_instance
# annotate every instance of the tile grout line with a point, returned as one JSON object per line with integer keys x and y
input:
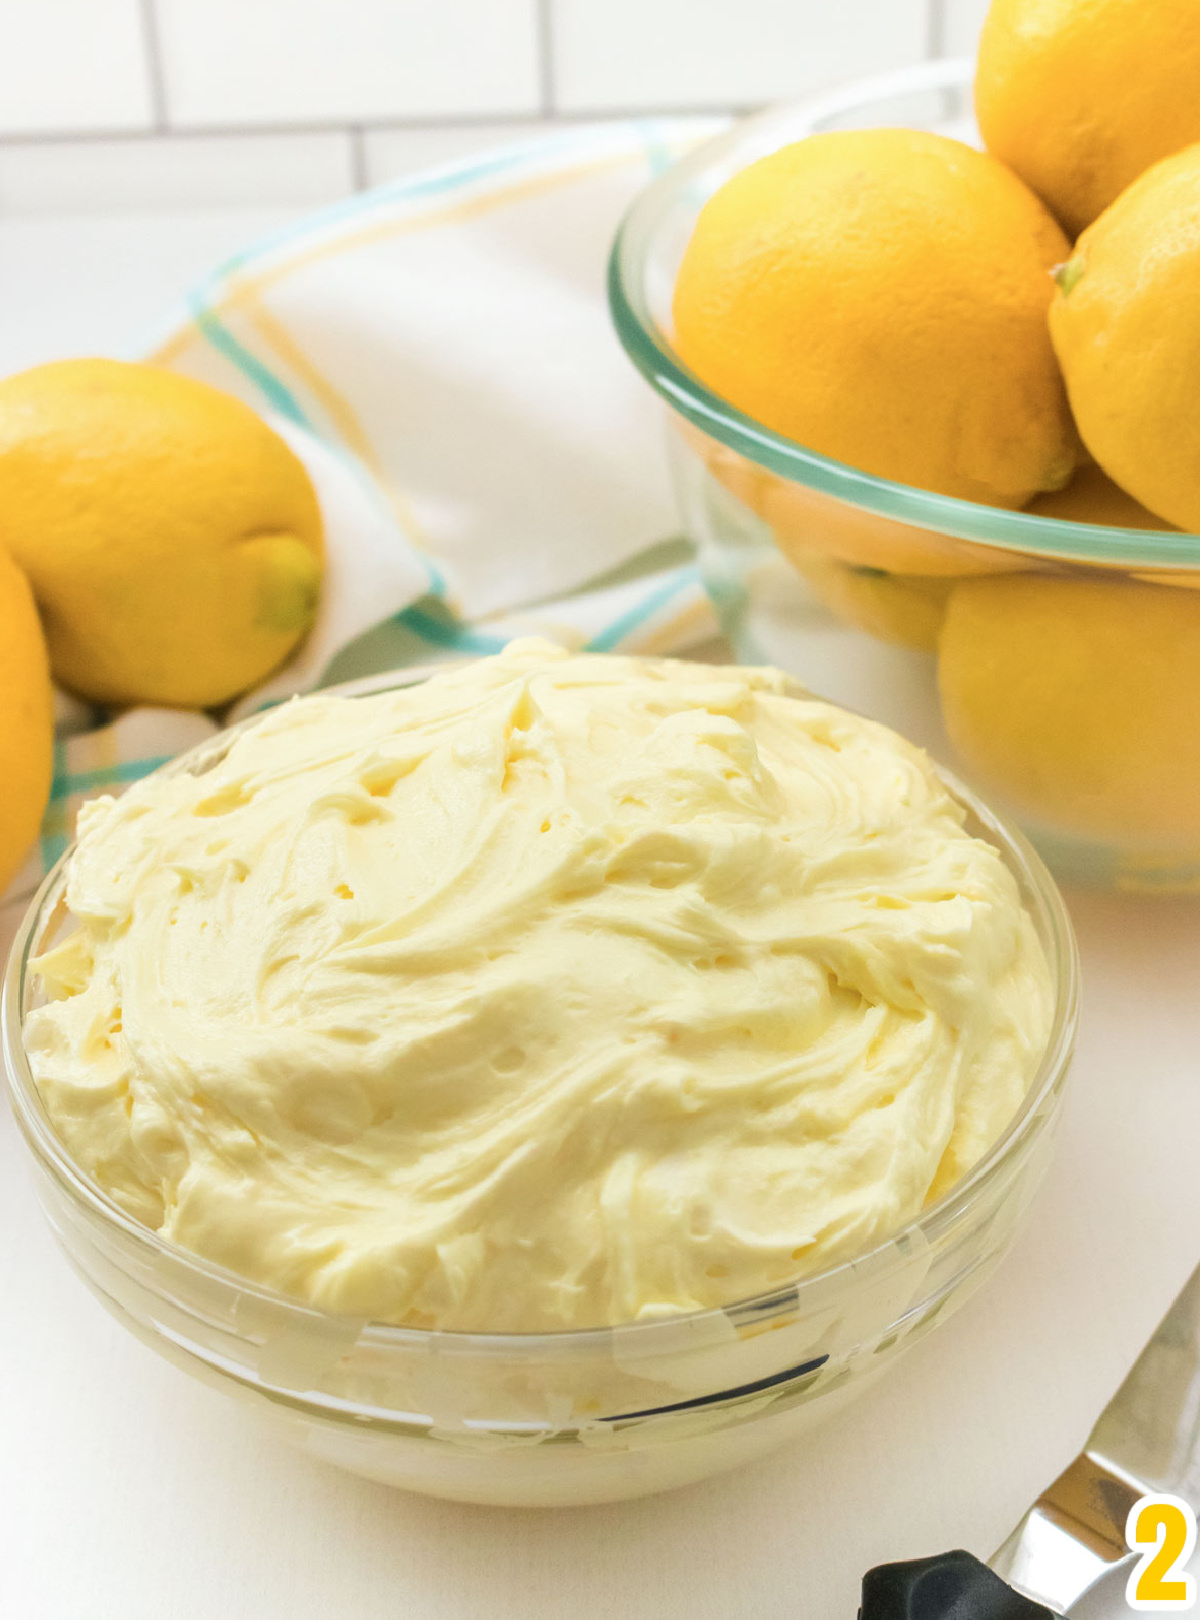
{"x": 545, "y": 50}
{"x": 358, "y": 157}
{"x": 935, "y": 37}
{"x": 152, "y": 45}
{"x": 937, "y": 30}
{"x": 171, "y": 133}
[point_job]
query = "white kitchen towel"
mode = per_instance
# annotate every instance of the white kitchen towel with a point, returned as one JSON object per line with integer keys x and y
{"x": 439, "y": 354}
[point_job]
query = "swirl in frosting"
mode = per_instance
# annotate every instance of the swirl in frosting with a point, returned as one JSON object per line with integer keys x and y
{"x": 554, "y": 992}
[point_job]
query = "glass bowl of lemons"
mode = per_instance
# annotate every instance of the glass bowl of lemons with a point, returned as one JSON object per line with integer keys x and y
{"x": 878, "y": 351}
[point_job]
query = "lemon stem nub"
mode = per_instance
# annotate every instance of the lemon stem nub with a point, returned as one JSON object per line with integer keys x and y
{"x": 287, "y": 582}
{"x": 1067, "y": 275}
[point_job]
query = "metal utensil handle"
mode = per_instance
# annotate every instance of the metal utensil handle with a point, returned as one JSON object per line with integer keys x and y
{"x": 952, "y": 1586}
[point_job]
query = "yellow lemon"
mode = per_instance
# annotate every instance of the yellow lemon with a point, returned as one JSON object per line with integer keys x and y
{"x": 172, "y": 539}
{"x": 1126, "y": 327}
{"x": 26, "y": 719}
{"x": 1081, "y": 96}
{"x": 1092, "y": 497}
{"x": 1080, "y": 700}
{"x": 880, "y": 296}
{"x": 808, "y": 523}
{"x": 907, "y": 609}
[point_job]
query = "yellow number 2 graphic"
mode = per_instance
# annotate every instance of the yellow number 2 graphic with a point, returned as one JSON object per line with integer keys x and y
{"x": 1163, "y": 1530}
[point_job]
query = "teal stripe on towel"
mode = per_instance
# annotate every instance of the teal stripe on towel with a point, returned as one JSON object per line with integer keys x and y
{"x": 447, "y": 633}
{"x": 659, "y": 156}
{"x": 644, "y": 611}
{"x": 446, "y": 177}
{"x": 222, "y": 339}
{"x": 67, "y": 784}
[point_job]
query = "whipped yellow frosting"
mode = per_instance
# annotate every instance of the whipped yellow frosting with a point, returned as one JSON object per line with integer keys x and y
{"x": 554, "y": 992}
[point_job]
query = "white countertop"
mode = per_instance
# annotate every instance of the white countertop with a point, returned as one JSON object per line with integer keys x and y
{"x": 127, "y": 1490}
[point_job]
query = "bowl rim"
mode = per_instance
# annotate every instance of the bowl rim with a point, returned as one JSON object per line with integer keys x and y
{"x": 699, "y": 173}
{"x": 1039, "y": 893}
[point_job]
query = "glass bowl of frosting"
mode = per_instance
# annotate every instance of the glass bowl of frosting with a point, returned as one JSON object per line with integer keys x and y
{"x": 547, "y": 1082}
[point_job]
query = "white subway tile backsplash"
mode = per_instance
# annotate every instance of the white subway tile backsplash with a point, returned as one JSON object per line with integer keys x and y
{"x": 678, "y": 53}
{"x": 961, "y": 22}
{"x": 296, "y": 61}
{"x": 72, "y": 65}
{"x": 292, "y": 103}
{"x": 188, "y": 171}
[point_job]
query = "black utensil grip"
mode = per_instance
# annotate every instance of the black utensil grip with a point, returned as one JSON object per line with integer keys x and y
{"x": 952, "y": 1586}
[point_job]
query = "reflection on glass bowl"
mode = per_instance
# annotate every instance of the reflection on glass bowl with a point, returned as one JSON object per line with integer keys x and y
{"x": 556, "y": 1418}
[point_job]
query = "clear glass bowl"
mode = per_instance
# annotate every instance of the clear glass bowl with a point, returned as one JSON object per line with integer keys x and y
{"x": 561, "y": 1418}
{"x": 756, "y": 504}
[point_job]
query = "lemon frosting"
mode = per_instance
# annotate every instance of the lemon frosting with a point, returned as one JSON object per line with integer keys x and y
{"x": 553, "y": 992}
